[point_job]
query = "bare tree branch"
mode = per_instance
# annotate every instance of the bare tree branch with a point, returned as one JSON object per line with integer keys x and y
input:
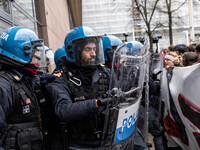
{"x": 179, "y": 6}
{"x": 154, "y": 8}
{"x": 147, "y": 10}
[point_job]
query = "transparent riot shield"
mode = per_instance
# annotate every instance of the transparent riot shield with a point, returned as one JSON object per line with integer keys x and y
{"x": 126, "y": 84}
{"x": 156, "y": 74}
{"x": 50, "y": 64}
{"x": 42, "y": 61}
{"x": 156, "y": 65}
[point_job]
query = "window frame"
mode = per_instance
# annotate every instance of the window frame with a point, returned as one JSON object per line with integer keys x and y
{"x": 11, "y": 20}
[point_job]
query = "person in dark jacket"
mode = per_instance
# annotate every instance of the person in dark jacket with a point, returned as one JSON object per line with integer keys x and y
{"x": 20, "y": 121}
{"x": 79, "y": 92}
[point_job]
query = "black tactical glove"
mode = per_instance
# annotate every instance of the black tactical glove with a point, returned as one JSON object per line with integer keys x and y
{"x": 46, "y": 78}
{"x": 103, "y": 101}
{"x": 118, "y": 95}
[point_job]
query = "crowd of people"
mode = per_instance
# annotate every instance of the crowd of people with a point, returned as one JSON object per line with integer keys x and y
{"x": 175, "y": 59}
{"x": 47, "y": 109}
{"x": 181, "y": 55}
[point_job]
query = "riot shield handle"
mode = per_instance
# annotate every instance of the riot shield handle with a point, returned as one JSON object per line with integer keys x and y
{"x": 120, "y": 96}
{"x": 115, "y": 91}
{"x": 131, "y": 91}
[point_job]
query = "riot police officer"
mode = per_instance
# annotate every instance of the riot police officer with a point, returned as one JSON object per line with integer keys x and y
{"x": 84, "y": 84}
{"x": 110, "y": 43}
{"x": 20, "y": 121}
{"x": 59, "y": 54}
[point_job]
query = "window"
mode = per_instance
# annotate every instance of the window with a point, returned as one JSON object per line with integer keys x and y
{"x": 4, "y": 6}
{"x": 18, "y": 13}
{"x": 27, "y": 5}
{"x": 3, "y": 26}
{"x": 23, "y": 20}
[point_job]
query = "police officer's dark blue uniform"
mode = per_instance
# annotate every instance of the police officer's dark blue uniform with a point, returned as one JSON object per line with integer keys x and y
{"x": 20, "y": 121}
{"x": 75, "y": 94}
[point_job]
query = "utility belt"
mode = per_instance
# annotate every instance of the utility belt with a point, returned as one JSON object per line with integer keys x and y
{"x": 23, "y": 136}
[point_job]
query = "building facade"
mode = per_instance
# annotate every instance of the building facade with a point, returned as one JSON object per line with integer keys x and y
{"x": 48, "y": 18}
{"x": 115, "y": 17}
{"x": 110, "y": 17}
{"x": 17, "y": 14}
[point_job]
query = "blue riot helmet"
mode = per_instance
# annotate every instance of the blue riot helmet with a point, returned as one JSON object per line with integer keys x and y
{"x": 59, "y": 54}
{"x": 83, "y": 47}
{"x": 135, "y": 47}
{"x": 20, "y": 46}
{"x": 110, "y": 43}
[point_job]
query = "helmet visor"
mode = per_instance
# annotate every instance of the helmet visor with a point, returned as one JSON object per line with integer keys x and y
{"x": 89, "y": 51}
{"x": 38, "y": 56}
{"x": 50, "y": 60}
